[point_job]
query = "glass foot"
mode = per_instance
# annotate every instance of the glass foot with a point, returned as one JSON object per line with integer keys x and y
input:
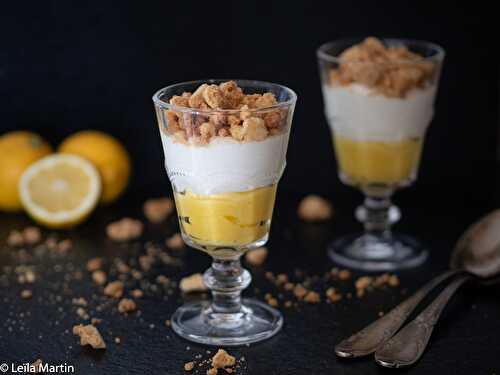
{"x": 255, "y": 322}
{"x": 371, "y": 253}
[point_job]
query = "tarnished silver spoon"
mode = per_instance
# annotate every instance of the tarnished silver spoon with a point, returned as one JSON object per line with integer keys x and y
{"x": 477, "y": 253}
{"x": 475, "y": 243}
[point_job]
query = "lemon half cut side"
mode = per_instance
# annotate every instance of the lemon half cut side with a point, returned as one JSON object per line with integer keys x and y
{"x": 60, "y": 191}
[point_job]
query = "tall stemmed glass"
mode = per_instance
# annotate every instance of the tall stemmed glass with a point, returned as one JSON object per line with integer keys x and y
{"x": 224, "y": 183}
{"x": 379, "y": 102}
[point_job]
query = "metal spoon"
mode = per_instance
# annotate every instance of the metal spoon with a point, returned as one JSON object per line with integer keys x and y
{"x": 478, "y": 253}
{"x": 474, "y": 244}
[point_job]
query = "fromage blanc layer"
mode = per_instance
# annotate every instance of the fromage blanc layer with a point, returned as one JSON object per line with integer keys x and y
{"x": 358, "y": 112}
{"x": 224, "y": 165}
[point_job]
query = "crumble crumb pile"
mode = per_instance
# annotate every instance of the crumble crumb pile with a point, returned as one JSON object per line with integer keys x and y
{"x": 246, "y": 122}
{"x": 193, "y": 283}
{"x": 391, "y": 71}
{"x": 157, "y": 210}
{"x": 315, "y": 208}
{"x": 124, "y": 230}
{"x": 89, "y": 335}
{"x": 256, "y": 257}
{"x": 28, "y": 236}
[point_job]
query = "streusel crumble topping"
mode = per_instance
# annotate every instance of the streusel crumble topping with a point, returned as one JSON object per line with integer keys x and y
{"x": 391, "y": 71}
{"x": 246, "y": 121}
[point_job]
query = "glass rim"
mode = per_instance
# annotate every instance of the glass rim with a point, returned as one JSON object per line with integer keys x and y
{"x": 165, "y": 105}
{"x": 438, "y": 51}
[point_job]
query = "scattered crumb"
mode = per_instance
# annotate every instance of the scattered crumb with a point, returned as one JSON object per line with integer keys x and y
{"x": 15, "y": 239}
{"x": 222, "y": 359}
{"x": 256, "y": 257}
{"x": 333, "y": 295}
{"x": 168, "y": 323}
{"x": 114, "y": 289}
{"x": 299, "y": 291}
{"x": 380, "y": 313}
{"x": 193, "y": 283}
{"x": 124, "y": 230}
{"x": 157, "y": 210}
{"x": 99, "y": 277}
{"x": 315, "y": 208}
{"x": 344, "y": 274}
{"x": 312, "y": 297}
{"x": 95, "y": 321}
{"x": 118, "y": 340}
{"x": 26, "y": 294}
{"x": 32, "y": 235}
{"x": 89, "y": 335}
{"x": 126, "y": 305}
{"x": 281, "y": 279}
{"x": 80, "y": 311}
{"x": 64, "y": 245}
{"x": 137, "y": 293}
{"x": 37, "y": 366}
{"x": 188, "y": 366}
{"x": 289, "y": 286}
{"x": 94, "y": 264}
{"x": 288, "y": 304}
{"x": 175, "y": 242}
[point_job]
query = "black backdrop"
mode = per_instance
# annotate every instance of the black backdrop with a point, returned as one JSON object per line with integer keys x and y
{"x": 66, "y": 66}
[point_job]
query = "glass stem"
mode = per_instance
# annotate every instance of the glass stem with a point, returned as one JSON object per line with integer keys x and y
{"x": 378, "y": 214}
{"x": 226, "y": 279}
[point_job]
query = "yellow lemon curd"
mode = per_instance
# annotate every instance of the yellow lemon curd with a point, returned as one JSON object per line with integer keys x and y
{"x": 366, "y": 162}
{"x": 227, "y": 219}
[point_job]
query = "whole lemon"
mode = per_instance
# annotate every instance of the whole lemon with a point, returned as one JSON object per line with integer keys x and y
{"x": 107, "y": 154}
{"x": 18, "y": 149}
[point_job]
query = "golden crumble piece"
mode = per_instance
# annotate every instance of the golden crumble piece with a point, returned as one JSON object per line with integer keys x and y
{"x": 189, "y": 366}
{"x": 256, "y": 257}
{"x": 99, "y": 277}
{"x": 212, "y": 371}
{"x": 137, "y": 293}
{"x": 299, "y": 291}
{"x": 333, "y": 295}
{"x": 32, "y": 235}
{"x": 124, "y": 230}
{"x": 126, "y": 305}
{"x": 393, "y": 280}
{"x": 363, "y": 282}
{"x": 232, "y": 93}
{"x": 193, "y": 283}
{"x": 223, "y": 132}
{"x": 237, "y": 132}
{"x": 26, "y": 294}
{"x": 233, "y": 120}
{"x": 175, "y": 242}
{"x": 114, "y": 289}
{"x": 254, "y": 129}
{"x": 251, "y": 100}
{"x": 272, "y": 119}
{"x": 94, "y": 264}
{"x": 273, "y": 302}
{"x": 196, "y": 99}
{"x": 179, "y": 101}
{"x": 207, "y": 131}
{"x": 214, "y": 97}
{"x": 15, "y": 239}
{"x": 245, "y": 112}
{"x": 314, "y": 208}
{"x": 37, "y": 366}
{"x": 158, "y": 209}
{"x": 266, "y": 100}
{"x": 222, "y": 359}
{"x": 173, "y": 123}
{"x": 312, "y": 297}
{"x": 89, "y": 335}
{"x": 344, "y": 274}
{"x": 180, "y": 136}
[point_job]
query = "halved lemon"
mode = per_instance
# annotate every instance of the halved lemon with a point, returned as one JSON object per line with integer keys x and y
{"x": 60, "y": 191}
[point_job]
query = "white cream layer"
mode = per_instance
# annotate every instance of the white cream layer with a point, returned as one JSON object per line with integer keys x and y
{"x": 224, "y": 165}
{"x": 358, "y": 112}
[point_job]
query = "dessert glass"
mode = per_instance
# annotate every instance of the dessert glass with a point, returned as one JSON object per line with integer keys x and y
{"x": 378, "y": 134}
{"x": 224, "y": 191}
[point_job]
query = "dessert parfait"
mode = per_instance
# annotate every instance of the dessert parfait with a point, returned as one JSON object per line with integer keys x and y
{"x": 379, "y": 101}
{"x": 225, "y": 145}
{"x": 224, "y": 153}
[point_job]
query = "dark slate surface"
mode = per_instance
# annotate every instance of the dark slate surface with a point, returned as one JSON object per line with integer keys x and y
{"x": 465, "y": 342}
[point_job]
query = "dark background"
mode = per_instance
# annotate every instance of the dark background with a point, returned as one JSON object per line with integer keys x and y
{"x": 68, "y": 66}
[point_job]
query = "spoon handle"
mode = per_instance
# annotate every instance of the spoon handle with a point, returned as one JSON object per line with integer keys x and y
{"x": 405, "y": 348}
{"x": 370, "y": 338}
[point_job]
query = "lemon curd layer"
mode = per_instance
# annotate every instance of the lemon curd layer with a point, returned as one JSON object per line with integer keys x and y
{"x": 366, "y": 162}
{"x": 226, "y": 219}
